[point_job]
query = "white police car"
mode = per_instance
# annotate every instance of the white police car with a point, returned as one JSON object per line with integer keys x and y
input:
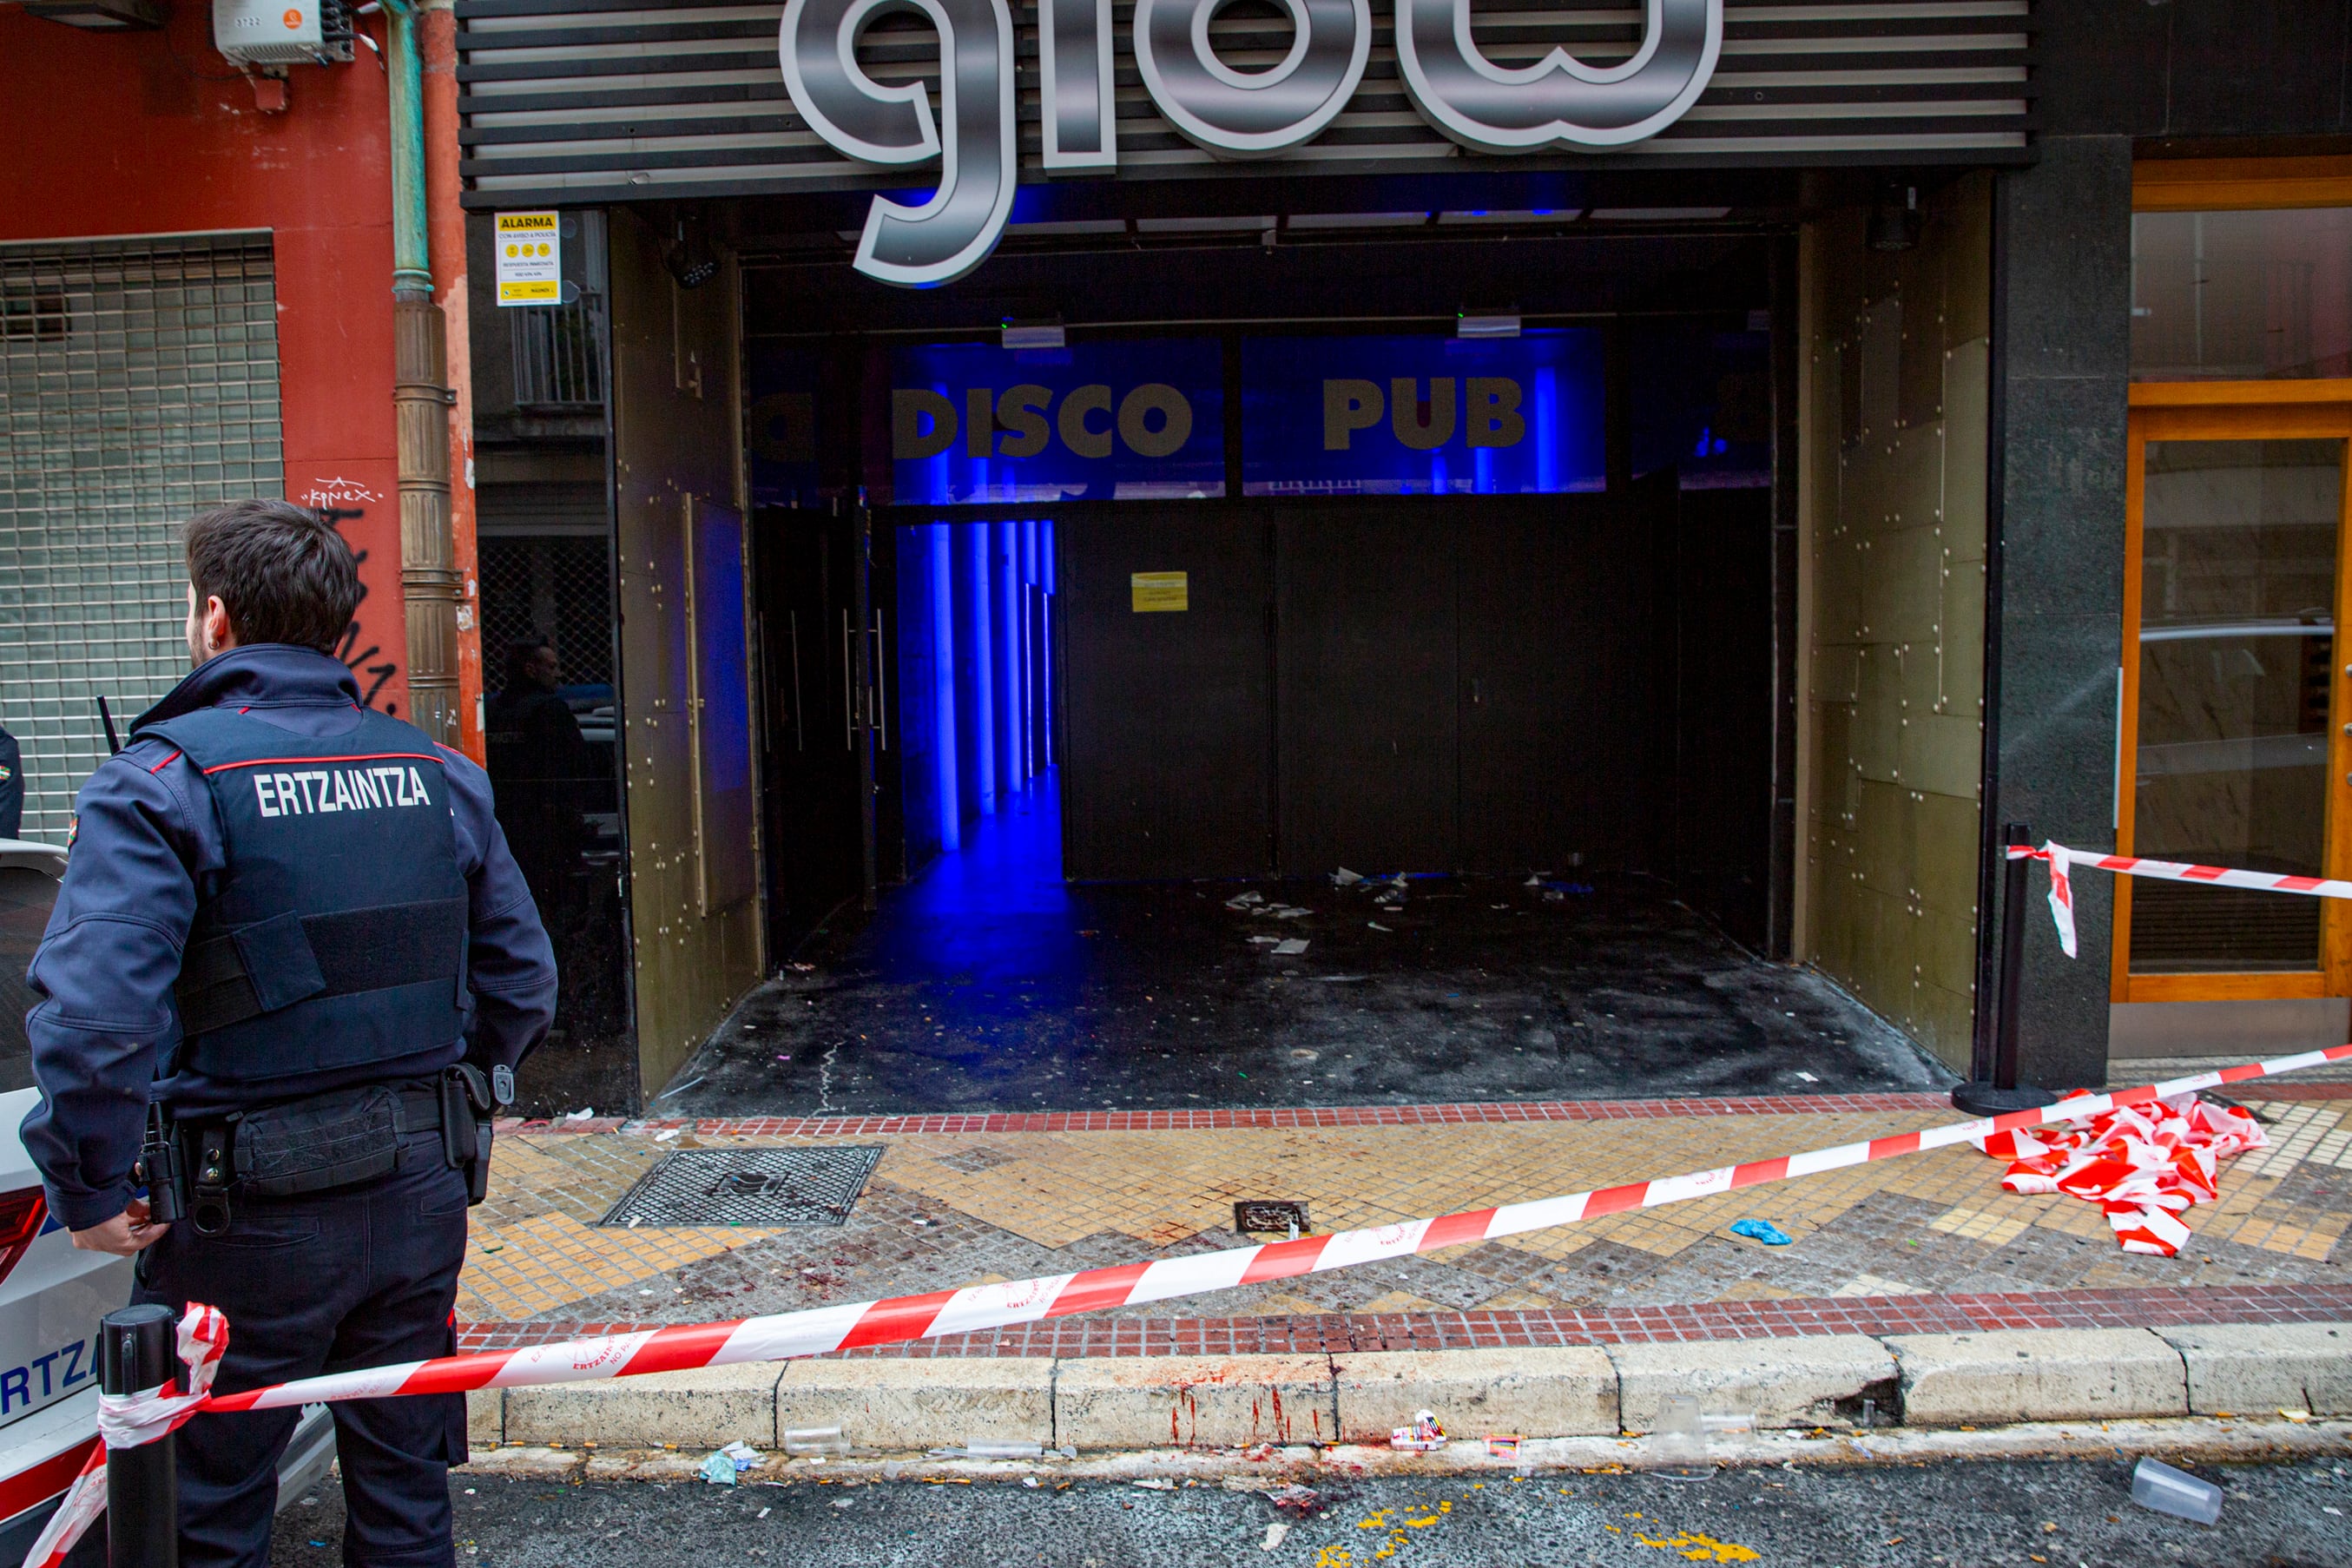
{"x": 51, "y": 1295}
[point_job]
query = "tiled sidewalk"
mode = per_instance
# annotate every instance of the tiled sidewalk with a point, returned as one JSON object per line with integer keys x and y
{"x": 966, "y": 1200}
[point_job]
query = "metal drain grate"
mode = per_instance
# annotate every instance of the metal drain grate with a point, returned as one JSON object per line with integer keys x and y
{"x": 1278, "y": 1215}
{"x": 748, "y": 1186}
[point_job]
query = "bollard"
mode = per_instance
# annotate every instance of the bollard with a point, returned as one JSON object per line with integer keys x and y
{"x": 1980, "y": 1097}
{"x": 138, "y": 1352}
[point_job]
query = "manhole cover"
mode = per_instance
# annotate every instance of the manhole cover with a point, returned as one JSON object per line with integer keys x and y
{"x": 749, "y": 1186}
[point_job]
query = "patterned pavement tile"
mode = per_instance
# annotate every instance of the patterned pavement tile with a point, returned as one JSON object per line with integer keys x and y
{"x": 955, "y": 1207}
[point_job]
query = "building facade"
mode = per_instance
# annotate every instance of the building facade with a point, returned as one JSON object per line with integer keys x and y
{"x": 1765, "y": 449}
{"x": 198, "y": 302}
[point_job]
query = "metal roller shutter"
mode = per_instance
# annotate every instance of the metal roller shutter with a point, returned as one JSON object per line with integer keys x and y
{"x": 138, "y": 385}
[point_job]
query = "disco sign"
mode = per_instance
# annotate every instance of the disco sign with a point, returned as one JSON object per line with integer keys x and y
{"x": 1115, "y": 419}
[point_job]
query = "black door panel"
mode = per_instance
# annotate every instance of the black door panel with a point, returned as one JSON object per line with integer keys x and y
{"x": 1168, "y": 713}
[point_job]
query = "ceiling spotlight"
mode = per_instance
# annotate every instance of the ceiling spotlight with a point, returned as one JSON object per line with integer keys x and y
{"x": 1895, "y": 221}
{"x": 1487, "y": 324}
{"x": 690, "y": 261}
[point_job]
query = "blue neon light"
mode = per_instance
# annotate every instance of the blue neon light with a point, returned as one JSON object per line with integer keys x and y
{"x": 941, "y": 555}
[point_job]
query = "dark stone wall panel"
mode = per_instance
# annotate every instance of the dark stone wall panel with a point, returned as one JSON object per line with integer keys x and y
{"x": 2063, "y": 269}
{"x": 2064, "y": 503}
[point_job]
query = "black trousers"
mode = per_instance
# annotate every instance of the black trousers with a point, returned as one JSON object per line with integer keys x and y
{"x": 333, "y": 1283}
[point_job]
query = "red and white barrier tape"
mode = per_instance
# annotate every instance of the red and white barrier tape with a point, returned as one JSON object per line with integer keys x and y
{"x": 2144, "y": 1165}
{"x": 2061, "y": 891}
{"x": 132, "y": 1421}
{"x": 819, "y": 1331}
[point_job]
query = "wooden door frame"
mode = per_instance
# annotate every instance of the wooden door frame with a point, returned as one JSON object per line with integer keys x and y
{"x": 2238, "y": 410}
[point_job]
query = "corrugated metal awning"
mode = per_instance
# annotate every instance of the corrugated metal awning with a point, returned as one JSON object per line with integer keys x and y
{"x": 583, "y": 101}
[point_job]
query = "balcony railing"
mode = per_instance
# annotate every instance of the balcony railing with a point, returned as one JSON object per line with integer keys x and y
{"x": 559, "y": 354}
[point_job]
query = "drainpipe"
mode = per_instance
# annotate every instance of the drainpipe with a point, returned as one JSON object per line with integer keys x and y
{"x": 445, "y": 237}
{"x": 431, "y": 588}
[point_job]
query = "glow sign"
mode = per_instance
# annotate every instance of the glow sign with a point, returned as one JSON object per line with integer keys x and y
{"x": 1557, "y": 102}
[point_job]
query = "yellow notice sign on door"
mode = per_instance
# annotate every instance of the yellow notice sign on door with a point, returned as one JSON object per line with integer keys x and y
{"x": 1159, "y": 591}
{"x": 529, "y": 259}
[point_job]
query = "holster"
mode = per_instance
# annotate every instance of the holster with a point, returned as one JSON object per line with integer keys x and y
{"x": 466, "y": 1115}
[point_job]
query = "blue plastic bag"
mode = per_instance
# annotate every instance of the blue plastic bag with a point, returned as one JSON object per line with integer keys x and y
{"x": 1762, "y": 1230}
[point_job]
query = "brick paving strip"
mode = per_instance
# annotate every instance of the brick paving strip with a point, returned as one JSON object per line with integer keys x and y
{"x": 1278, "y": 1116}
{"x": 1473, "y": 1113}
{"x": 1341, "y": 1333}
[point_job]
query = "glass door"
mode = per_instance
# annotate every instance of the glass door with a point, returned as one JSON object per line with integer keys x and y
{"x": 2237, "y": 700}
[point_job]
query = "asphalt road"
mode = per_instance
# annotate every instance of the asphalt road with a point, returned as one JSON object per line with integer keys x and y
{"x": 1968, "y": 1515}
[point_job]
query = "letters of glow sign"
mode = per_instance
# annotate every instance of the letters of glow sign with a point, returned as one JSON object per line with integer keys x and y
{"x": 1559, "y": 102}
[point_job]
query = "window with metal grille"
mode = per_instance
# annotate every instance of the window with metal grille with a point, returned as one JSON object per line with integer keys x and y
{"x": 138, "y": 385}
{"x": 552, "y": 588}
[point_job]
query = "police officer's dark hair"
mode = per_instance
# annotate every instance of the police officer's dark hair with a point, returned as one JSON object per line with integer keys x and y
{"x": 518, "y": 654}
{"x": 283, "y": 572}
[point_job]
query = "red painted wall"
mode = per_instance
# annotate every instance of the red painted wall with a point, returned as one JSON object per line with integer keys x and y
{"x": 153, "y": 133}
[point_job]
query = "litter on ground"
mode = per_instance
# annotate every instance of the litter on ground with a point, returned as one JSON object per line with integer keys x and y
{"x": 1762, "y": 1230}
{"x": 721, "y": 1468}
{"x": 1424, "y": 1436}
{"x": 1290, "y": 948}
{"x": 2156, "y": 1485}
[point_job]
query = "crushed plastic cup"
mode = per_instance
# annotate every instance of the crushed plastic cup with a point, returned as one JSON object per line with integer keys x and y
{"x": 1743, "y": 1424}
{"x": 1001, "y": 1448}
{"x": 807, "y": 1442}
{"x": 2156, "y": 1485}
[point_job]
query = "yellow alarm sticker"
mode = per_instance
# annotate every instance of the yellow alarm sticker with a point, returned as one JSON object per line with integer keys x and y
{"x": 530, "y": 256}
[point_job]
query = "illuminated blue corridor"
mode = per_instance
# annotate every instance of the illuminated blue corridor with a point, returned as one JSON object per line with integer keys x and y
{"x": 996, "y": 907}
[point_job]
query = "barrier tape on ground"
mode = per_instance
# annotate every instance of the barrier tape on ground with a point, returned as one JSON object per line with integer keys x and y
{"x": 2062, "y": 860}
{"x": 818, "y": 1330}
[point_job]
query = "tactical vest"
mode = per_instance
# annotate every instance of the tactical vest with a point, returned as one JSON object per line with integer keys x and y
{"x": 336, "y": 936}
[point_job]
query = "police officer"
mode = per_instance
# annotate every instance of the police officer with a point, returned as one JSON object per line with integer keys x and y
{"x": 289, "y": 925}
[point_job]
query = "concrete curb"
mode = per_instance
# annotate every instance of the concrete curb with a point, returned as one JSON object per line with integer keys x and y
{"x": 2202, "y": 1439}
{"x": 1123, "y": 1402}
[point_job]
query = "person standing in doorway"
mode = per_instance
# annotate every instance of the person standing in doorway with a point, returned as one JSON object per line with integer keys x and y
{"x": 539, "y": 764}
{"x": 290, "y": 924}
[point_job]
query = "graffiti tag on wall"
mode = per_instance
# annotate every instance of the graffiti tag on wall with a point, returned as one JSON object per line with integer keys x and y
{"x": 371, "y": 677}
